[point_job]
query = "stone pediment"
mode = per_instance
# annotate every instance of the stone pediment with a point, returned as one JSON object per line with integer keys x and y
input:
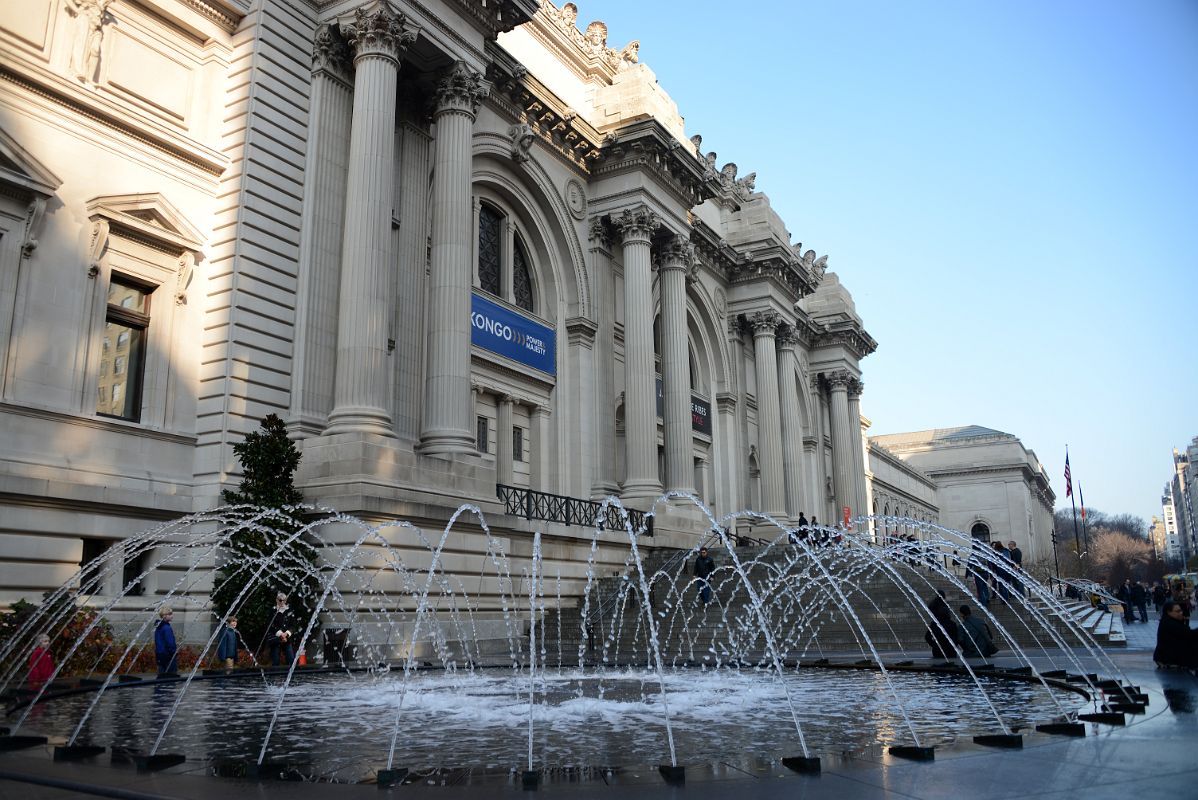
{"x": 148, "y": 217}
{"x": 20, "y": 170}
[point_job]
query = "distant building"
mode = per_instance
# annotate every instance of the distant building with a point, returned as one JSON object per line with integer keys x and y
{"x": 985, "y": 483}
{"x": 1179, "y": 500}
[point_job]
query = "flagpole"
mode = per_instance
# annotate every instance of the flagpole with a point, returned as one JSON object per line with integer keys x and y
{"x": 1077, "y": 547}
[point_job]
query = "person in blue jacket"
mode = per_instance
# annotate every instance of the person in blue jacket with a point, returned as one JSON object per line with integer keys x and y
{"x": 226, "y": 650}
{"x": 164, "y": 642}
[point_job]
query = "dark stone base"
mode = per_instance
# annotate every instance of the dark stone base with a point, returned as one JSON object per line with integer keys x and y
{"x": 802, "y": 764}
{"x": 1010, "y": 740}
{"x": 77, "y": 752}
{"x": 674, "y": 776}
{"x": 913, "y": 753}
{"x": 1104, "y": 717}
{"x": 20, "y": 742}
{"x": 148, "y": 763}
{"x": 530, "y": 779}
{"x": 387, "y": 778}
{"x": 1063, "y": 728}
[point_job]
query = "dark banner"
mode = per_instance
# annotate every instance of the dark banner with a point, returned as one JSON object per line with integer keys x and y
{"x": 700, "y": 410}
{"x": 501, "y": 330}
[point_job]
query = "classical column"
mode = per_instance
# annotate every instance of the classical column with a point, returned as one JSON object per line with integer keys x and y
{"x": 446, "y": 422}
{"x": 314, "y": 363}
{"x": 792, "y": 427}
{"x": 769, "y": 418}
{"x": 503, "y": 442}
{"x": 861, "y": 501}
{"x": 728, "y": 457}
{"x": 843, "y": 462}
{"x": 674, "y": 266}
{"x": 703, "y": 467}
{"x": 604, "y": 408}
{"x": 378, "y": 37}
{"x": 636, "y": 228}
{"x": 539, "y": 475}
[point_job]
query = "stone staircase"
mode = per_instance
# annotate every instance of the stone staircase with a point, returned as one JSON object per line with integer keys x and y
{"x": 806, "y": 615}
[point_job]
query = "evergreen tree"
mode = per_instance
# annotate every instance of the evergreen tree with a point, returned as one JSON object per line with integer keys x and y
{"x": 268, "y": 460}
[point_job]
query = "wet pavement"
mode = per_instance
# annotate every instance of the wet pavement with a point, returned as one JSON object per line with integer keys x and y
{"x": 1154, "y": 754}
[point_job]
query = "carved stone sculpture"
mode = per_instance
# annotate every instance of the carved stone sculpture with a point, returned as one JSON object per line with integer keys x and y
{"x": 89, "y": 39}
{"x": 522, "y": 138}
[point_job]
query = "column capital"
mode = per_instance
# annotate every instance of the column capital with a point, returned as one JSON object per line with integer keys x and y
{"x": 676, "y": 255}
{"x": 856, "y": 387}
{"x": 764, "y": 323}
{"x": 636, "y": 224}
{"x": 462, "y": 89}
{"x": 506, "y": 399}
{"x": 378, "y": 29}
{"x": 598, "y": 232}
{"x": 331, "y": 54}
{"x": 838, "y": 380}
{"x": 787, "y": 337}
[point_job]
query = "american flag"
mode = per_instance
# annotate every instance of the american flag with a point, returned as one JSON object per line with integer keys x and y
{"x": 1068, "y": 479}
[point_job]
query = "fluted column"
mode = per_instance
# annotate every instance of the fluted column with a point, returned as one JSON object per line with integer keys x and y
{"x": 378, "y": 37}
{"x": 769, "y": 417}
{"x": 636, "y": 228}
{"x": 843, "y": 462}
{"x": 314, "y": 363}
{"x": 539, "y": 477}
{"x": 675, "y": 265}
{"x": 792, "y": 427}
{"x": 604, "y": 407}
{"x": 503, "y": 442}
{"x": 446, "y": 419}
{"x": 861, "y": 503}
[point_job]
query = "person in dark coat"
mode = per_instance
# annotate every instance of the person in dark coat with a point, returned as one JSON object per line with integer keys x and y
{"x": 943, "y": 633}
{"x": 165, "y": 650}
{"x": 1139, "y": 599}
{"x": 976, "y": 640}
{"x": 1159, "y": 595}
{"x": 1123, "y": 595}
{"x": 280, "y": 631}
{"x": 704, "y": 566}
{"x": 981, "y": 575}
{"x": 1016, "y": 556}
{"x": 1002, "y": 576}
{"x": 226, "y": 649}
{"x": 1176, "y": 643}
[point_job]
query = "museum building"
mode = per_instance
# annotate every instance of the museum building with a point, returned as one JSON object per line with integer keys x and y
{"x": 464, "y": 248}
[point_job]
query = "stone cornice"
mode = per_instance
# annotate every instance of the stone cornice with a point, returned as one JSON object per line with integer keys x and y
{"x": 773, "y": 261}
{"x": 849, "y": 335}
{"x": 646, "y": 146}
{"x": 711, "y": 250}
{"x": 522, "y": 98}
{"x": 586, "y": 54}
{"x": 493, "y": 17}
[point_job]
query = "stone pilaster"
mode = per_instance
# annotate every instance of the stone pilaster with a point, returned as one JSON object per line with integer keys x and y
{"x": 503, "y": 442}
{"x": 675, "y": 264}
{"x": 314, "y": 363}
{"x": 540, "y": 472}
{"x": 792, "y": 427}
{"x": 843, "y": 461}
{"x": 446, "y": 422}
{"x": 636, "y": 227}
{"x": 378, "y": 37}
{"x": 861, "y": 502}
{"x": 769, "y": 418}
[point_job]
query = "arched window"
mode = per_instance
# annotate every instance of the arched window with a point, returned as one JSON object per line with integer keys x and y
{"x": 521, "y": 280}
{"x": 505, "y": 266}
{"x": 981, "y": 532}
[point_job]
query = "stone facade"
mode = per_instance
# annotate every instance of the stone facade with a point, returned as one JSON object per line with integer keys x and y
{"x": 213, "y": 210}
{"x": 985, "y": 482}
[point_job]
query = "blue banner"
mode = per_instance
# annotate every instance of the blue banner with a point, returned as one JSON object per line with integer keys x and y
{"x": 501, "y": 330}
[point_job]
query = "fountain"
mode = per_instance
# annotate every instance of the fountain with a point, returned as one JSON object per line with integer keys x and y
{"x": 808, "y": 647}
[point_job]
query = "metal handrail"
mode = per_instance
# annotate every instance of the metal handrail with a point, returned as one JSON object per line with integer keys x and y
{"x": 531, "y": 504}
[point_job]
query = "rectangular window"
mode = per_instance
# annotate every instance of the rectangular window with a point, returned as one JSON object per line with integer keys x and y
{"x": 482, "y": 435}
{"x": 135, "y": 565}
{"x": 125, "y": 325}
{"x": 517, "y": 443}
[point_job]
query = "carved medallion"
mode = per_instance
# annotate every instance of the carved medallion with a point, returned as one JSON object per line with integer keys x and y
{"x": 576, "y": 199}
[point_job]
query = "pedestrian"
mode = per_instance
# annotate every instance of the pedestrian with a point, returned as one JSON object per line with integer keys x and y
{"x": 165, "y": 650}
{"x": 704, "y": 566}
{"x": 976, "y": 640}
{"x": 1000, "y": 573}
{"x": 1176, "y": 644}
{"x": 1139, "y": 599}
{"x": 282, "y": 623}
{"x": 41, "y": 663}
{"x": 943, "y": 633}
{"x": 1017, "y": 559}
{"x": 1123, "y": 595}
{"x": 981, "y": 575}
{"x": 226, "y": 650}
{"x": 1159, "y": 595}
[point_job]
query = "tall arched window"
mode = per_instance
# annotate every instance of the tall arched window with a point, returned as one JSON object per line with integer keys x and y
{"x": 505, "y": 267}
{"x": 981, "y": 532}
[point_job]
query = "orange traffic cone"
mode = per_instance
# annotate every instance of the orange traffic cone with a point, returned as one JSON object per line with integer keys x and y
{"x": 303, "y": 659}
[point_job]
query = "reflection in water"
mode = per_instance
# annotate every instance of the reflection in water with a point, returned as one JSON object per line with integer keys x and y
{"x": 1180, "y": 701}
{"x": 341, "y": 726}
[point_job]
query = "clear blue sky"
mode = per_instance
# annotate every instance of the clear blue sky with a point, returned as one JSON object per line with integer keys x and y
{"x": 1009, "y": 189}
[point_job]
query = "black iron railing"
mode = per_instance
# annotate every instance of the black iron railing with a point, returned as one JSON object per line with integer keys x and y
{"x": 531, "y": 504}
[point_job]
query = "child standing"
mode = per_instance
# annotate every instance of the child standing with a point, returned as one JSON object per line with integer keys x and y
{"x": 164, "y": 642}
{"x": 41, "y": 663}
{"x": 227, "y": 649}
